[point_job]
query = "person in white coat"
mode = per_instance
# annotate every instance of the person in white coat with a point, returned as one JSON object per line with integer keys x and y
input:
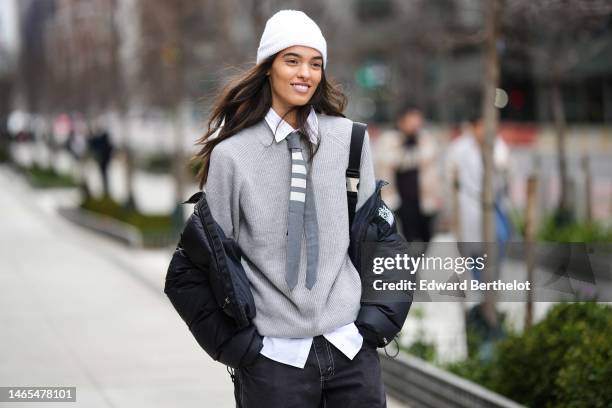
{"x": 464, "y": 166}
{"x": 464, "y": 158}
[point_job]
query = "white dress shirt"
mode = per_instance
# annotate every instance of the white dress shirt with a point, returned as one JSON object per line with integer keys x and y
{"x": 294, "y": 351}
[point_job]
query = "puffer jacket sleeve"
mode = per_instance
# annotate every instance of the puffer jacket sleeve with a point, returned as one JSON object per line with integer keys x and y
{"x": 380, "y": 317}
{"x": 187, "y": 286}
{"x": 377, "y": 323}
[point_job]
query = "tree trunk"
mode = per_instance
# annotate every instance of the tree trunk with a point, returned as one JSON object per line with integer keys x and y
{"x": 179, "y": 165}
{"x": 530, "y": 236}
{"x": 490, "y": 120}
{"x": 563, "y": 210}
{"x": 129, "y": 164}
{"x": 588, "y": 188}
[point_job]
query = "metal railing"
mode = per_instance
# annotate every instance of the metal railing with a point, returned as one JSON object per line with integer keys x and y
{"x": 421, "y": 384}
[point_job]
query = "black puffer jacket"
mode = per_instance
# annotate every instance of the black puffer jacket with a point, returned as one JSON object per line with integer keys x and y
{"x": 208, "y": 286}
{"x": 374, "y": 234}
{"x": 209, "y": 289}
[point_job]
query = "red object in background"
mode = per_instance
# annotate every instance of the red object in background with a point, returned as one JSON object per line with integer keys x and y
{"x": 24, "y": 136}
{"x": 517, "y": 99}
{"x": 518, "y": 134}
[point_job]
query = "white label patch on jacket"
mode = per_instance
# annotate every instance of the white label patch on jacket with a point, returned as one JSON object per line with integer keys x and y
{"x": 386, "y": 214}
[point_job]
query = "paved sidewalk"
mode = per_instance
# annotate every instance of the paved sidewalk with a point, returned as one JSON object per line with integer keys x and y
{"x": 80, "y": 310}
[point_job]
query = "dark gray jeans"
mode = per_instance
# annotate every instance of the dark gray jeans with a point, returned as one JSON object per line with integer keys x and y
{"x": 328, "y": 380}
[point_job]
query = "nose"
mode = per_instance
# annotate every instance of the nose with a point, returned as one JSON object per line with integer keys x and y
{"x": 304, "y": 71}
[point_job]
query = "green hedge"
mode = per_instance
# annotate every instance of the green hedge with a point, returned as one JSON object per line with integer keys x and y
{"x": 574, "y": 232}
{"x": 563, "y": 361}
{"x": 157, "y": 230}
{"x": 40, "y": 177}
{"x": 163, "y": 164}
{"x": 158, "y": 164}
{"x": 551, "y": 230}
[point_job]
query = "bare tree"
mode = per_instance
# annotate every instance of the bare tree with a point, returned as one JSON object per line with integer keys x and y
{"x": 490, "y": 115}
{"x": 557, "y": 36}
{"x": 84, "y": 55}
{"x": 120, "y": 67}
{"x": 32, "y": 60}
{"x": 172, "y": 33}
{"x": 83, "y": 68}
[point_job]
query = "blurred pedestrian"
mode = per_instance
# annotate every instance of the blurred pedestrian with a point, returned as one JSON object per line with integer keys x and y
{"x": 273, "y": 162}
{"x": 465, "y": 162}
{"x": 408, "y": 159}
{"x": 102, "y": 150}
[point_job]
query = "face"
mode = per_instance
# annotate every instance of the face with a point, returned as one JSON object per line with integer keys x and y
{"x": 294, "y": 76}
{"x": 411, "y": 122}
{"x": 478, "y": 131}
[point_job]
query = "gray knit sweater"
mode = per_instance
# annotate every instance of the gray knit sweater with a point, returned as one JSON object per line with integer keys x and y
{"x": 248, "y": 192}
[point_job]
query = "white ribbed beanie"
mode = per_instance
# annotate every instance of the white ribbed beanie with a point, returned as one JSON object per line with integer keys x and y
{"x": 288, "y": 28}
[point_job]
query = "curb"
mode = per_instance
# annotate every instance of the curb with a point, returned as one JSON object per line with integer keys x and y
{"x": 108, "y": 226}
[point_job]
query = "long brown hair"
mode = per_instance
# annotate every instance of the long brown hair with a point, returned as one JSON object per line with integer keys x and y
{"x": 246, "y": 101}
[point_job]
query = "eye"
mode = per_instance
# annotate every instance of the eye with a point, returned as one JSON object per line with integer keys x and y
{"x": 292, "y": 61}
{"x": 316, "y": 65}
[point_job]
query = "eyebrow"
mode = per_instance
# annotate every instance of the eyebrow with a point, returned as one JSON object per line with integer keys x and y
{"x": 293, "y": 54}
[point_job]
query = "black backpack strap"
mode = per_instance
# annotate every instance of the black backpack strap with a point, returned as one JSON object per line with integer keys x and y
{"x": 352, "y": 172}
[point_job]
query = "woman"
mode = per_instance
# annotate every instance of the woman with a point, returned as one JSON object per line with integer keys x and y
{"x": 273, "y": 162}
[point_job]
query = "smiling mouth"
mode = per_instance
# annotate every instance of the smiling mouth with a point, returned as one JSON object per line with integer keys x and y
{"x": 301, "y": 88}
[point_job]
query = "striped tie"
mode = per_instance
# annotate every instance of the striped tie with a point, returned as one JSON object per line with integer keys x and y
{"x": 301, "y": 202}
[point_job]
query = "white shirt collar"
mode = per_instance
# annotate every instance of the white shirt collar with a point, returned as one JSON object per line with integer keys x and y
{"x": 282, "y": 129}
